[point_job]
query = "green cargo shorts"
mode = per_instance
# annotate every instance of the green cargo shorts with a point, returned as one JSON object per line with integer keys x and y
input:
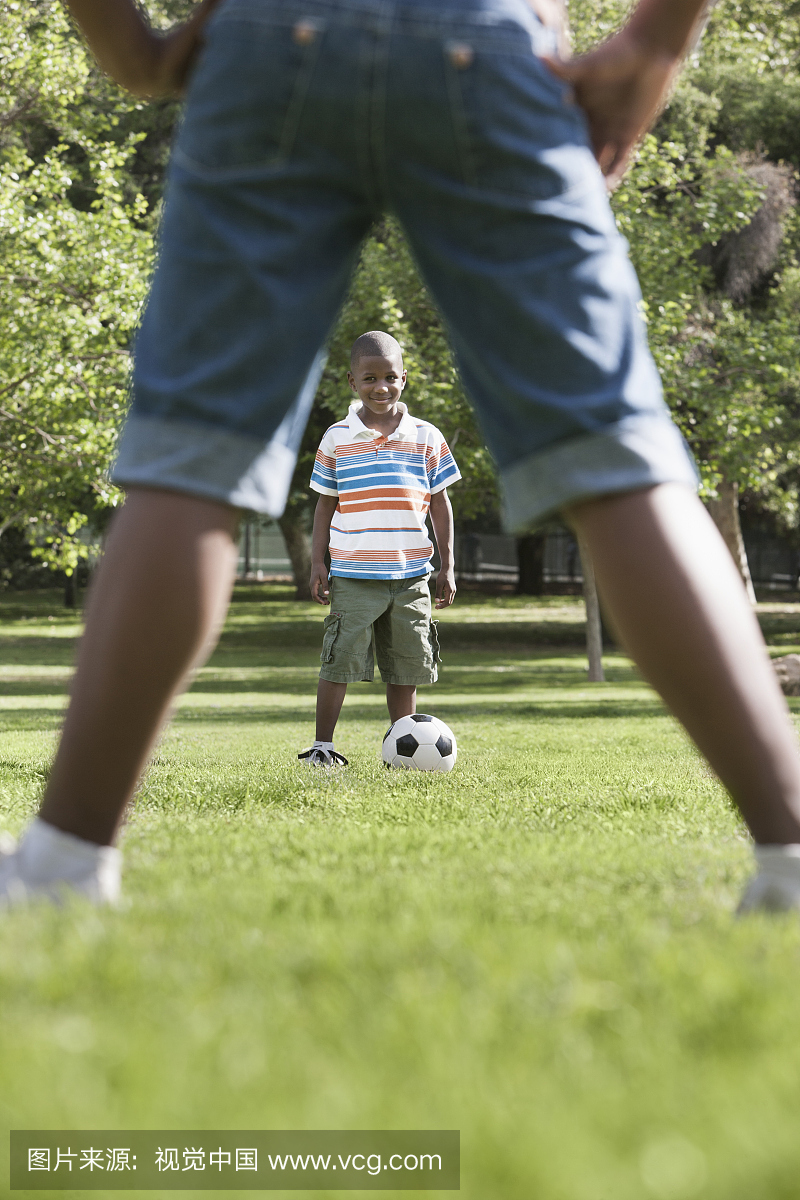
{"x": 384, "y": 619}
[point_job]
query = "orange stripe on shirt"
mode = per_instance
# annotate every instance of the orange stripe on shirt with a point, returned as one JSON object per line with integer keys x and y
{"x": 377, "y": 505}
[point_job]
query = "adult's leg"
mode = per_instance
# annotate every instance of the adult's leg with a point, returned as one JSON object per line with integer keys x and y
{"x": 512, "y": 230}
{"x": 155, "y": 609}
{"x": 675, "y": 599}
{"x": 401, "y": 700}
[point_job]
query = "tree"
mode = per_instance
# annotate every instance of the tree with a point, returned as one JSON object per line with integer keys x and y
{"x": 74, "y": 258}
{"x": 713, "y": 235}
{"x": 708, "y": 209}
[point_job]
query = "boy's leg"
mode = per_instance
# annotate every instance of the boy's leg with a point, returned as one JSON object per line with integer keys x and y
{"x": 674, "y": 596}
{"x": 346, "y": 657}
{"x": 404, "y": 644}
{"x": 401, "y": 700}
{"x": 330, "y": 698}
{"x": 155, "y": 609}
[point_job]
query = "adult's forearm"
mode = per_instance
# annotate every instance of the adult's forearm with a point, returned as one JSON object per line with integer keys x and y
{"x": 120, "y": 38}
{"x": 668, "y": 26}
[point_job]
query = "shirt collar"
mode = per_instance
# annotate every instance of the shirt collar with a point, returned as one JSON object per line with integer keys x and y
{"x": 359, "y": 429}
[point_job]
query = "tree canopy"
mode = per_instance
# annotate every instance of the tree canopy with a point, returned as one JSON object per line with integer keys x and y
{"x": 708, "y": 207}
{"x": 75, "y": 253}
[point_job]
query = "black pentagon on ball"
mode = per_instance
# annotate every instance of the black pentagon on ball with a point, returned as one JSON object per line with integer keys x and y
{"x": 407, "y": 745}
{"x": 444, "y": 746}
{"x": 420, "y": 717}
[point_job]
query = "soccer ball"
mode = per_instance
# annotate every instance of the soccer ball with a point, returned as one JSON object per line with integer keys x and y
{"x": 420, "y": 743}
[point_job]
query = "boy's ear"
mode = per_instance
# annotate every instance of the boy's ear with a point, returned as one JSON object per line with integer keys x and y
{"x": 351, "y": 379}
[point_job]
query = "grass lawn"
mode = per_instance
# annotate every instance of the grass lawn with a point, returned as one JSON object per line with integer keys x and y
{"x": 536, "y": 949}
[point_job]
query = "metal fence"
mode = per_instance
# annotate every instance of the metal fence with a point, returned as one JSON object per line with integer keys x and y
{"x": 262, "y": 551}
{"x": 492, "y": 557}
{"x": 774, "y": 563}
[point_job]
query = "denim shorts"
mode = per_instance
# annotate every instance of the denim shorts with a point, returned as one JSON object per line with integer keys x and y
{"x": 305, "y": 121}
{"x": 384, "y": 619}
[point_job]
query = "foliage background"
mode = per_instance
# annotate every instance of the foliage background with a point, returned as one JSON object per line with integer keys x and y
{"x": 708, "y": 207}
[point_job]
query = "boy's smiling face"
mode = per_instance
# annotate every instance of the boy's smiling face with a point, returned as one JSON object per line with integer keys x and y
{"x": 378, "y": 383}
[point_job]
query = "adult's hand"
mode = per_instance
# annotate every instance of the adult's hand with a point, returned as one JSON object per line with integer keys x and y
{"x": 552, "y": 14}
{"x": 621, "y": 86}
{"x": 179, "y": 48}
{"x": 146, "y": 62}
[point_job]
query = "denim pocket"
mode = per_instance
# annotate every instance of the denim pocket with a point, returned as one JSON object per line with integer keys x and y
{"x": 517, "y": 130}
{"x": 331, "y": 626}
{"x": 247, "y": 93}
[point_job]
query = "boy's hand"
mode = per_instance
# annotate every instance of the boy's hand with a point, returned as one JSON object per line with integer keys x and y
{"x": 320, "y": 588}
{"x": 621, "y": 87}
{"x": 445, "y": 588}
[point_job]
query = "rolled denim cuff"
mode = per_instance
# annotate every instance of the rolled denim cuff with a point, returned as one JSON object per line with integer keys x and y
{"x": 204, "y": 460}
{"x": 637, "y": 453}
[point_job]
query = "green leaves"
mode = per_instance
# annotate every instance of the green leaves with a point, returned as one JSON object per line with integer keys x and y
{"x": 73, "y": 279}
{"x": 714, "y": 245}
{"x": 76, "y": 246}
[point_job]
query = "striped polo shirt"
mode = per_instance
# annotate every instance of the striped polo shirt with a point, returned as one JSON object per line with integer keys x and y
{"x": 384, "y": 485}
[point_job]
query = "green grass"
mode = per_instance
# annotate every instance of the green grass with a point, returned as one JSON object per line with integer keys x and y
{"x": 536, "y": 949}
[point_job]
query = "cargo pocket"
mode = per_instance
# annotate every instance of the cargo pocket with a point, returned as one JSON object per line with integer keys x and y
{"x": 433, "y": 633}
{"x": 331, "y": 626}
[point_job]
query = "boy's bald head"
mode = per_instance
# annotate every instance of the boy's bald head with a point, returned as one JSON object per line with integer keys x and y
{"x": 375, "y": 344}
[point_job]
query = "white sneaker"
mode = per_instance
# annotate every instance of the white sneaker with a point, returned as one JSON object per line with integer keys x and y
{"x": 776, "y": 887}
{"x": 322, "y": 756}
{"x": 51, "y": 864}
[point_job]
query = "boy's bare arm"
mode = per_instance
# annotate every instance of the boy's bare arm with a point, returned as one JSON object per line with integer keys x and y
{"x": 622, "y": 85}
{"x": 442, "y": 522}
{"x": 323, "y": 515}
{"x": 127, "y": 48}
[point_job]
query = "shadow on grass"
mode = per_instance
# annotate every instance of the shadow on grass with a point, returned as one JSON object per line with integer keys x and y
{"x": 547, "y": 711}
{"x": 34, "y": 687}
{"x": 475, "y": 635}
{"x": 465, "y": 672}
{"x": 38, "y": 651}
{"x": 27, "y": 720}
{"x": 492, "y": 686}
{"x": 39, "y": 720}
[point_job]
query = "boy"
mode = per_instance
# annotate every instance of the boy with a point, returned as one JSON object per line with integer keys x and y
{"x": 305, "y": 120}
{"x": 378, "y": 473}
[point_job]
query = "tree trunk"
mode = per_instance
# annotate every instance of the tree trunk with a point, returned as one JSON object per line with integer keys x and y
{"x": 246, "y": 567}
{"x": 594, "y": 626}
{"x": 530, "y": 556}
{"x": 71, "y": 590}
{"x": 294, "y": 527}
{"x": 725, "y": 514}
